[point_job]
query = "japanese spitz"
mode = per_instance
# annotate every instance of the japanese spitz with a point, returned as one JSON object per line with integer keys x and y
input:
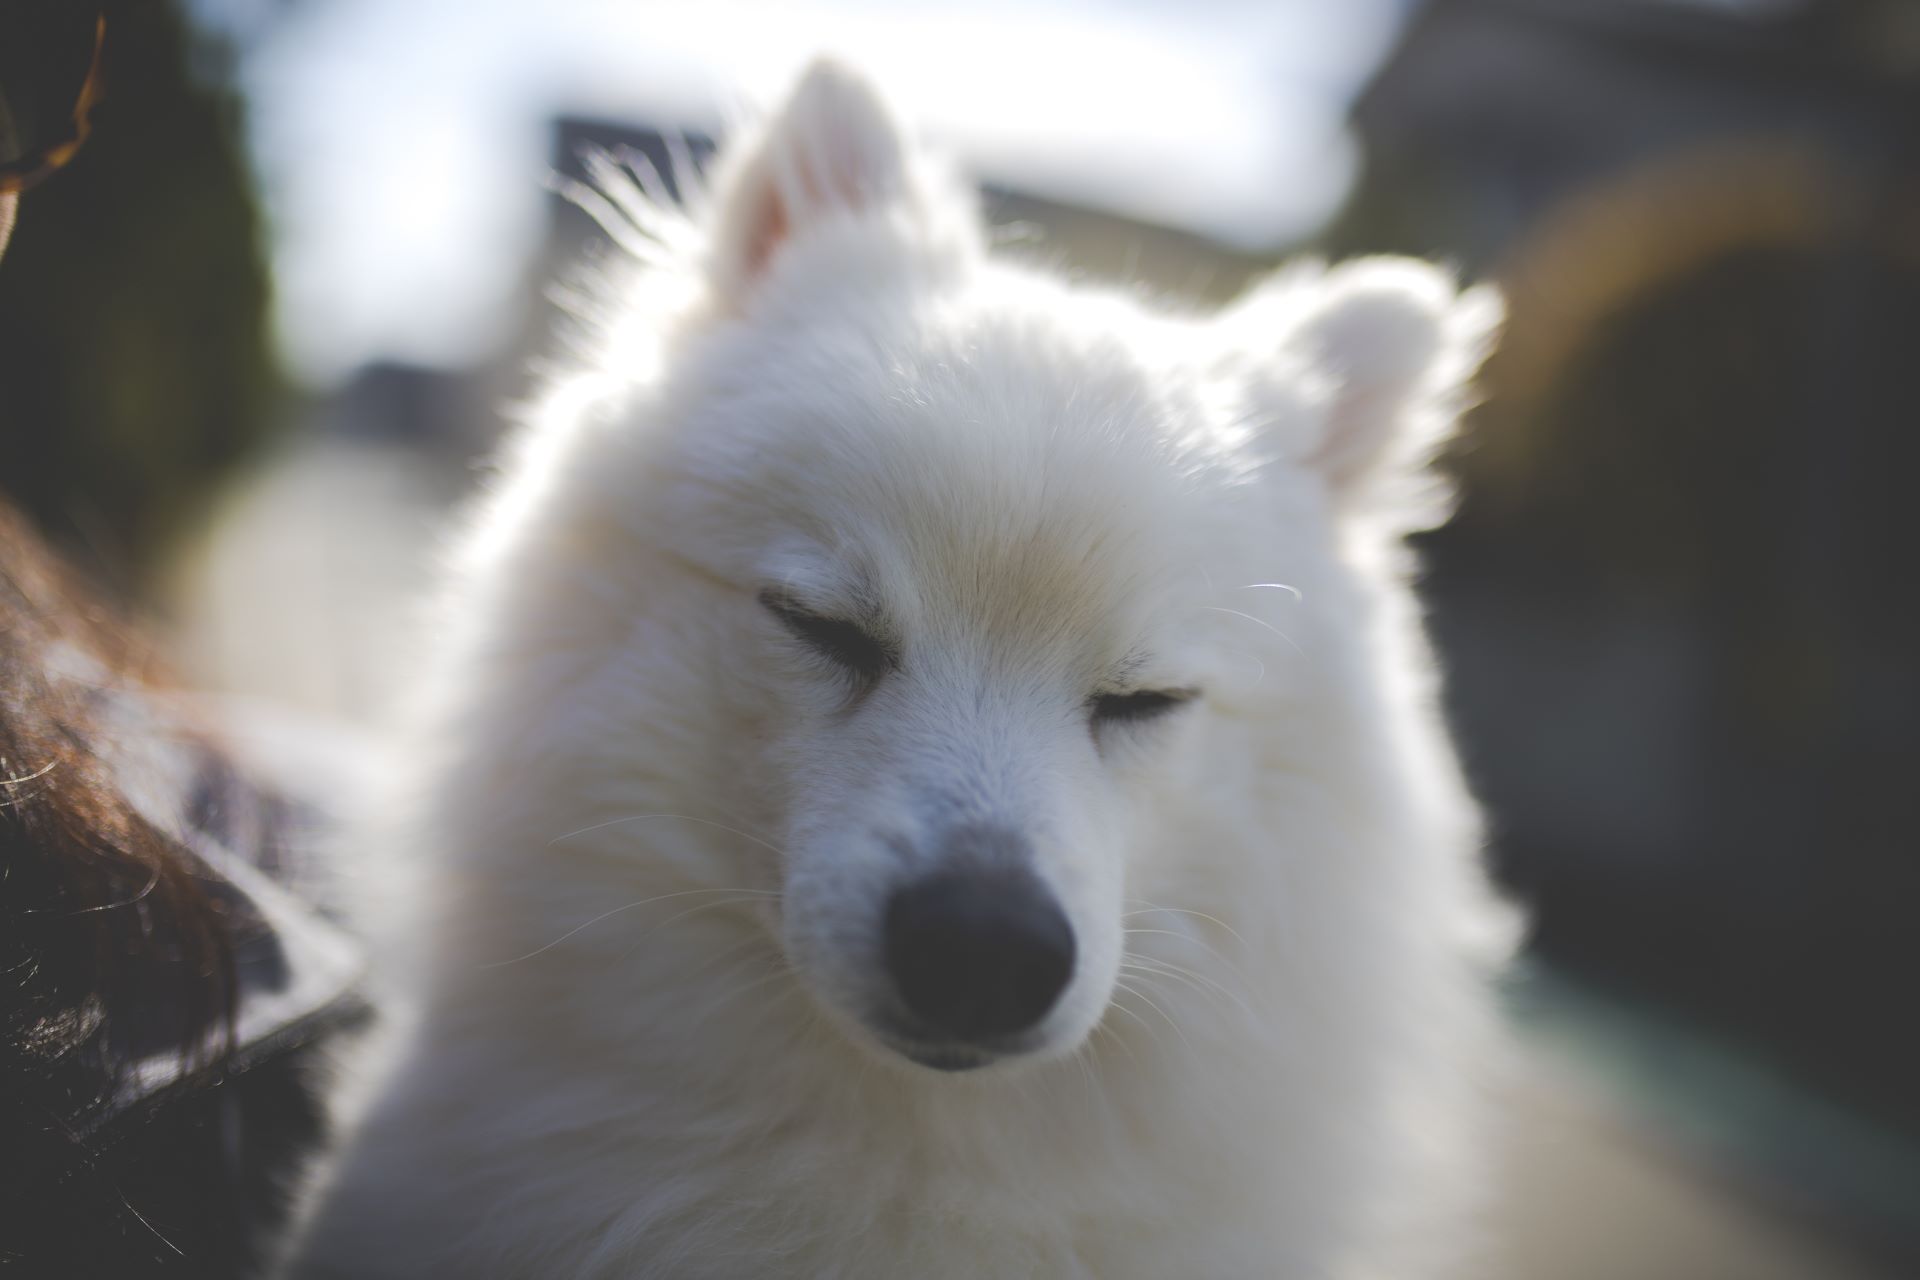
{"x": 937, "y": 774}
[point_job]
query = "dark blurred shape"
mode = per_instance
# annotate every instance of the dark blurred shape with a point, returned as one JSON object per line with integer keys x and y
{"x": 1678, "y": 601}
{"x": 49, "y": 64}
{"x": 134, "y": 359}
{"x": 170, "y": 987}
{"x": 447, "y": 412}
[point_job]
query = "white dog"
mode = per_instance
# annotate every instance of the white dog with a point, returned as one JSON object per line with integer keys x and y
{"x": 937, "y": 776}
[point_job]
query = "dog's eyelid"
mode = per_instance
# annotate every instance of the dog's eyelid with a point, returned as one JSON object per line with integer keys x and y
{"x": 780, "y": 602}
{"x": 790, "y": 607}
{"x": 854, "y": 611}
{"x": 850, "y": 644}
{"x": 1139, "y": 704}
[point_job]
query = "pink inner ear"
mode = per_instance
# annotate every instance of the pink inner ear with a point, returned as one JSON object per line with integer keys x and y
{"x": 770, "y": 227}
{"x": 833, "y": 150}
{"x": 1360, "y": 423}
{"x": 812, "y": 180}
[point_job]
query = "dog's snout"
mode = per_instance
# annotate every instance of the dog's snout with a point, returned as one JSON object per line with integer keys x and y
{"x": 979, "y": 952}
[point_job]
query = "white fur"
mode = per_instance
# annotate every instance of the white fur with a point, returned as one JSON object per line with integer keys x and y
{"x": 1267, "y": 1060}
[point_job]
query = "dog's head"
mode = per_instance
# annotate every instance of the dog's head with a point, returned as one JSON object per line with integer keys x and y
{"x": 1003, "y": 562}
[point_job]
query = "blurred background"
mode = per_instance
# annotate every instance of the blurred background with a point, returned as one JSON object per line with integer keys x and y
{"x": 256, "y": 339}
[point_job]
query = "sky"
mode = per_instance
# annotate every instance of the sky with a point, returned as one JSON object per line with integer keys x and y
{"x": 403, "y": 145}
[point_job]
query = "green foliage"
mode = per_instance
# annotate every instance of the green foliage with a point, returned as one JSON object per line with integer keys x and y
{"x": 135, "y": 367}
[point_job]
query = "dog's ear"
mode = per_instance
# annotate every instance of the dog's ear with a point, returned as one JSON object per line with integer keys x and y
{"x": 1360, "y": 371}
{"x": 832, "y": 150}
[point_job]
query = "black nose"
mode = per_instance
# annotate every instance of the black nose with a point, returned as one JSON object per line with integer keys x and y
{"x": 979, "y": 952}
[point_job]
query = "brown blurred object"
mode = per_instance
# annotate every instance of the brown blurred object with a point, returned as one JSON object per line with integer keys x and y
{"x": 50, "y": 81}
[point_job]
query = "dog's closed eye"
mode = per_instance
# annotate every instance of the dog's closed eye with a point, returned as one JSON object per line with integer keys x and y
{"x": 847, "y": 645}
{"x": 1137, "y": 706}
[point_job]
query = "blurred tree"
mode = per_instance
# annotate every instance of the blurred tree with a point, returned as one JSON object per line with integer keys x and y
{"x": 135, "y": 366}
{"x": 1675, "y": 604}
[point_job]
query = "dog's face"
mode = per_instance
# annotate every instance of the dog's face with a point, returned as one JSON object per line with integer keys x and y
{"x": 973, "y": 633}
{"x": 969, "y": 557}
{"x": 980, "y": 533}
{"x": 952, "y": 722}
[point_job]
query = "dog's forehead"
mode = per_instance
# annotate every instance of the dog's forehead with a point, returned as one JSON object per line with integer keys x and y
{"x": 1000, "y": 472}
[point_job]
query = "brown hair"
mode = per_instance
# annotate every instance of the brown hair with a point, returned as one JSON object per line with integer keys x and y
{"x": 101, "y": 917}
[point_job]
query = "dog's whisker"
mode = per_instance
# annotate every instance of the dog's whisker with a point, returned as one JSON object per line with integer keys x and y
{"x": 1194, "y": 939}
{"x": 775, "y": 972}
{"x": 683, "y": 817}
{"x": 1153, "y": 964}
{"x": 753, "y": 938}
{"x": 1258, "y": 622}
{"x": 1086, "y": 1078}
{"x": 1178, "y": 1030}
{"x": 742, "y": 968}
{"x": 1153, "y": 1033}
{"x": 1200, "y": 982}
{"x": 1148, "y": 1000}
{"x": 705, "y": 907}
{"x": 1102, "y": 1031}
{"x": 1148, "y": 907}
{"x": 741, "y": 894}
{"x": 1147, "y": 975}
